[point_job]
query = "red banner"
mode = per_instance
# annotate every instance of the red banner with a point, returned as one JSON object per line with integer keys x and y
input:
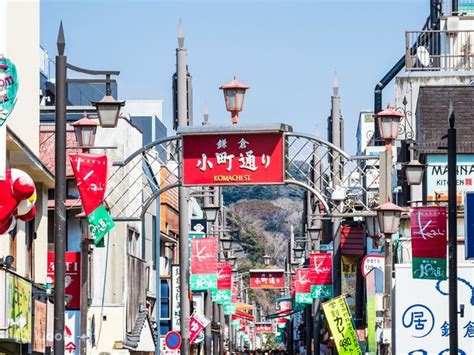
{"x": 293, "y": 287}
{"x": 267, "y": 278}
{"x": 429, "y": 242}
{"x": 90, "y": 171}
{"x": 73, "y": 276}
{"x": 320, "y": 265}
{"x": 224, "y": 276}
{"x": 235, "y": 291}
{"x": 197, "y": 323}
{"x": 263, "y": 328}
{"x": 303, "y": 280}
{"x": 204, "y": 255}
{"x": 233, "y": 159}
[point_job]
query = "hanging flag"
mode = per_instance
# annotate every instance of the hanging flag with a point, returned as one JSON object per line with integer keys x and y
{"x": 339, "y": 320}
{"x": 303, "y": 286}
{"x": 90, "y": 171}
{"x": 320, "y": 265}
{"x": 204, "y": 264}
{"x": 223, "y": 293}
{"x": 429, "y": 242}
{"x": 197, "y": 322}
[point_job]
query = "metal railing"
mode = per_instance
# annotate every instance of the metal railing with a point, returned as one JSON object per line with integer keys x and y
{"x": 440, "y": 50}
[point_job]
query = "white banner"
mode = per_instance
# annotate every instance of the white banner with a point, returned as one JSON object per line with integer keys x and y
{"x": 175, "y": 298}
{"x": 421, "y": 313}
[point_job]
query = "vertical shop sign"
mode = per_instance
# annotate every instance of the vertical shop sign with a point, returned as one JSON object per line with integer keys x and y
{"x": 429, "y": 242}
{"x": 72, "y": 279}
{"x": 176, "y": 298}
{"x": 340, "y": 322}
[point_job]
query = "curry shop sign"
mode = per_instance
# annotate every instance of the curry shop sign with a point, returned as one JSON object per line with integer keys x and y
{"x": 238, "y": 157}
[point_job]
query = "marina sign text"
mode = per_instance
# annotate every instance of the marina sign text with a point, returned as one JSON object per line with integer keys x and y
{"x": 233, "y": 159}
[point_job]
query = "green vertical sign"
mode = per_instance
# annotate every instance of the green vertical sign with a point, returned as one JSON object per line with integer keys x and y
{"x": 100, "y": 223}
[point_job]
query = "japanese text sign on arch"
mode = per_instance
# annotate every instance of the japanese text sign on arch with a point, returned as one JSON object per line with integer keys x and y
{"x": 429, "y": 241}
{"x": 340, "y": 322}
{"x": 233, "y": 159}
{"x": 267, "y": 278}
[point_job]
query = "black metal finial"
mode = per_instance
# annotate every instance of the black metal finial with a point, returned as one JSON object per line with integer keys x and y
{"x": 61, "y": 42}
{"x": 451, "y": 116}
{"x": 405, "y": 101}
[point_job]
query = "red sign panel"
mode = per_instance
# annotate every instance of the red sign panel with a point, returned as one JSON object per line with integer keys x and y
{"x": 224, "y": 276}
{"x": 204, "y": 255}
{"x": 90, "y": 171}
{"x": 73, "y": 276}
{"x": 233, "y": 159}
{"x": 195, "y": 327}
{"x": 320, "y": 265}
{"x": 235, "y": 291}
{"x": 303, "y": 280}
{"x": 263, "y": 328}
{"x": 428, "y": 232}
{"x": 267, "y": 279}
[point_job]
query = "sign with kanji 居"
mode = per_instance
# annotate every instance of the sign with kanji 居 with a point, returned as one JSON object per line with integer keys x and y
{"x": 339, "y": 320}
{"x": 421, "y": 312}
{"x": 73, "y": 276}
{"x": 8, "y": 88}
{"x": 267, "y": 278}
{"x": 233, "y": 159}
{"x": 320, "y": 265}
{"x": 429, "y": 242}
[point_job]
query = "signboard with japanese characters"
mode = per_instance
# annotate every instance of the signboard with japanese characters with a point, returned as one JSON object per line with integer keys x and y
{"x": 176, "y": 298}
{"x": 233, "y": 159}
{"x": 267, "y": 278}
{"x": 437, "y": 176}
{"x": 223, "y": 293}
{"x": 469, "y": 226}
{"x": 71, "y": 332}
{"x": 203, "y": 264}
{"x": 422, "y": 313}
{"x": 73, "y": 276}
{"x": 340, "y": 322}
{"x": 429, "y": 242}
{"x": 263, "y": 327}
{"x": 197, "y": 322}
{"x": 320, "y": 265}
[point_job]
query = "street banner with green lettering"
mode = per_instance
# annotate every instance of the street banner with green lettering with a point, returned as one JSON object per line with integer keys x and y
{"x": 342, "y": 328}
{"x": 429, "y": 242}
{"x": 100, "y": 223}
{"x": 203, "y": 264}
{"x": 303, "y": 286}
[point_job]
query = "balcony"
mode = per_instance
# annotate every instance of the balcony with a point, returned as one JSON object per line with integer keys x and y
{"x": 439, "y": 50}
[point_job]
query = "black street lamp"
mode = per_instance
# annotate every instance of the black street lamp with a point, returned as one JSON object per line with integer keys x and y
{"x": 60, "y": 182}
{"x": 226, "y": 243}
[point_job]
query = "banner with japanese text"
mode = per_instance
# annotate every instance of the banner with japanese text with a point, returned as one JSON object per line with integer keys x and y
{"x": 233, "y": 158}
{"x": 197, "y": 322}
{"x": 267, "y": 278}
{"x": 263, "y": 327}
{"x": 342, "y": 328}
{"x": 349, "y": 278}
{"x": 204, "y": 264}
{"x": 73, "y": 276}
{"x": 303, "y": 286}
{"x": 223, "y": 293}
{"x": 429, "y": 242}
{"x": 90, "y": 171}
{"x": 320, "y": 265}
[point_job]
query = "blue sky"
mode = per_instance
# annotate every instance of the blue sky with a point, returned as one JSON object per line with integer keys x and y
{"x": 286, "y": 51}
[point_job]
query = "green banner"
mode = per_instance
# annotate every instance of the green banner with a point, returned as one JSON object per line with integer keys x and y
{"x": 321, "y": 291}
{"x": 203, "y": 282}
{"x": 230, "y": 308}
{"x": 222, "y": 296}
{"x": 100, "y": 223}
{"x": 429, "y": 268}
{"x": 339, "y": 320}
{"x": 303, "y": 298}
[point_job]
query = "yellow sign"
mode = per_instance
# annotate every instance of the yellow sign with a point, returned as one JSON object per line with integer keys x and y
{"x": 19, "y": 309}
{"x": 340, "y": 322}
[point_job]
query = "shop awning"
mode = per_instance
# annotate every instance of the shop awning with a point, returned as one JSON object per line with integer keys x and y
{"x": 352, "y": 240}
{"x": 243, "y": 315}
{"x": 244, "y": 306}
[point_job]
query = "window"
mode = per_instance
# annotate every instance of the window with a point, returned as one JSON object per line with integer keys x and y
{"x": 72, "y": 190}
{"x": 165, "y": 312}
{"x": 133, "y": 242}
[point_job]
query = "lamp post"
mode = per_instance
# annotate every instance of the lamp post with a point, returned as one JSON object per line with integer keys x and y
{"x": 266, "y": 259}
{"x": 373, "y": 230}
{"x": 234, "y": 94}
{"x": 414, "y": 172}
{"x": 60, "y": 178}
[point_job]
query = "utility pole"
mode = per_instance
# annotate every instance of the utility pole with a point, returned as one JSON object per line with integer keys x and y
{"x": 336, "y": 139}
{"x": 182, "y": 105}
{"x": 60, "y": 195}
{"x": 452, "y": 235}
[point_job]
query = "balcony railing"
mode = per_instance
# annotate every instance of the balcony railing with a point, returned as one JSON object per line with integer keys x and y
{"x": 429, "y": 50}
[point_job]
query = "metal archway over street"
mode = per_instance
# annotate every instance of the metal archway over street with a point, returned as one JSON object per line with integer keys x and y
{"x": 235, "y": 155}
